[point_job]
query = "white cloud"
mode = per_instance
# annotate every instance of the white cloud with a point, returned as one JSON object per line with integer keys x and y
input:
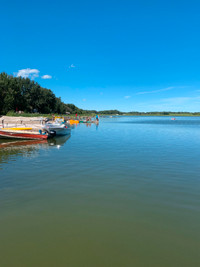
{"x": 72, "y": 66}
{"x": 28, "y": 73}
{"x": 127, "y": 97}
{"x": 84, "y": 99}
{"x": 180, "y": 100}
{"x": 46, "y": 76}
{"x": 155, "y": 91}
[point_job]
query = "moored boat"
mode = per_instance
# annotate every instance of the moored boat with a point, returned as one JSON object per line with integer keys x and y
{"x": 23, "y": 134}
{"x": 59, "y": 129}
{"x": 71, "y": 122}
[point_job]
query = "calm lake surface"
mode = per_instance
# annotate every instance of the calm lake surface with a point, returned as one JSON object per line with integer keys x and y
{"x": 124, "y": 193}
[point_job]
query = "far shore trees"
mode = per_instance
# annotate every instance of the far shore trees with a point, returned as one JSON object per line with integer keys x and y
{"x": 23, "y": 94}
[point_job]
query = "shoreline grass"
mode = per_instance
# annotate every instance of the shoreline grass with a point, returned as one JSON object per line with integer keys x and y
{"x": 186, "y": 114}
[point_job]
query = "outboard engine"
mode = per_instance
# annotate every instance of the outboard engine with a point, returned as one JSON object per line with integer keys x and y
{"x": 52, "y": 133}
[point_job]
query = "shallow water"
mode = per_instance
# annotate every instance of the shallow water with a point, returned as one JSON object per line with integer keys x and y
{"x": 124, "y": 193}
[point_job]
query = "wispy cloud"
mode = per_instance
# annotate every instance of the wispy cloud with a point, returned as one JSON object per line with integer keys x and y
{"x": 127, "y": 97}
{"x": 84, "y": 99}
{"x": 72, "y": 66}
{"x": 179, "y": 100}
{"x": 46, "y": 77}
{"x": 180, "y": 103}
{"x": 28, "y": 73}
{"x": 155, "y": 91}
{"x": 176, "y": 100}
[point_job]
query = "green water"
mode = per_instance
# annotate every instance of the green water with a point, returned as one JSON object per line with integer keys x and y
{"x": 124, "y": 193}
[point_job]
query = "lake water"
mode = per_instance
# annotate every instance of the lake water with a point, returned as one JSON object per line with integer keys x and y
{"x": 124, "y": 193}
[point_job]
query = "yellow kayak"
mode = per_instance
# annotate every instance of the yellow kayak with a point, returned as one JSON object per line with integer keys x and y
{"x": 73, "y": 121}
{"x": 19, "y": 129}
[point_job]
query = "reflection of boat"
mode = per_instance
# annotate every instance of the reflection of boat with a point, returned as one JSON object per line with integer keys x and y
{"x": 58, "y": 141}
{"x": 22, "y": 134}
{"x": 22, "y": 143}
{"x": 26, "y": 144}
{"x": 59, "y": 129}
{"x": 27, "y": 148}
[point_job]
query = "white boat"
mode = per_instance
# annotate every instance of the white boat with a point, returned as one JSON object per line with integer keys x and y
{"x": 59, "y": 129}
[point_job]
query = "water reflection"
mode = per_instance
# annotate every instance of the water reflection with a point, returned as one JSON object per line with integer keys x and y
{"x": 27, "y": 148}
{"x": 58, "y": 141}
{"x": 129, "y": 192}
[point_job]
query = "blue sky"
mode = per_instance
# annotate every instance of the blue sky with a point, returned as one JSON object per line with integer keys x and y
{"x": 125, "y": 55}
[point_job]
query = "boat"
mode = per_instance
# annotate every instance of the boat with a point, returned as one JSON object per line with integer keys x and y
{"x": 73, "y": 122}
{"x": 59, "y": 119}
{"x": 85, "y": 121}
{"x": 14, "y": 133}
{"x": 19, "y": 128}
{"x": 57, "y": 128}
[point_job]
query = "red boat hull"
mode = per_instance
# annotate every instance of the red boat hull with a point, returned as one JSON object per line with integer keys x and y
{"x": 6, "y": 134}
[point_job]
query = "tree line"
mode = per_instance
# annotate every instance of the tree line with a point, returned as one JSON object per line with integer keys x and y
{"x": 23, "y": 94}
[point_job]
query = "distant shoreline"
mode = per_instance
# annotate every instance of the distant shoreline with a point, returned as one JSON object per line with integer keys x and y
{"x": 161, "y": 115}
{"x": 103, "y": 115}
